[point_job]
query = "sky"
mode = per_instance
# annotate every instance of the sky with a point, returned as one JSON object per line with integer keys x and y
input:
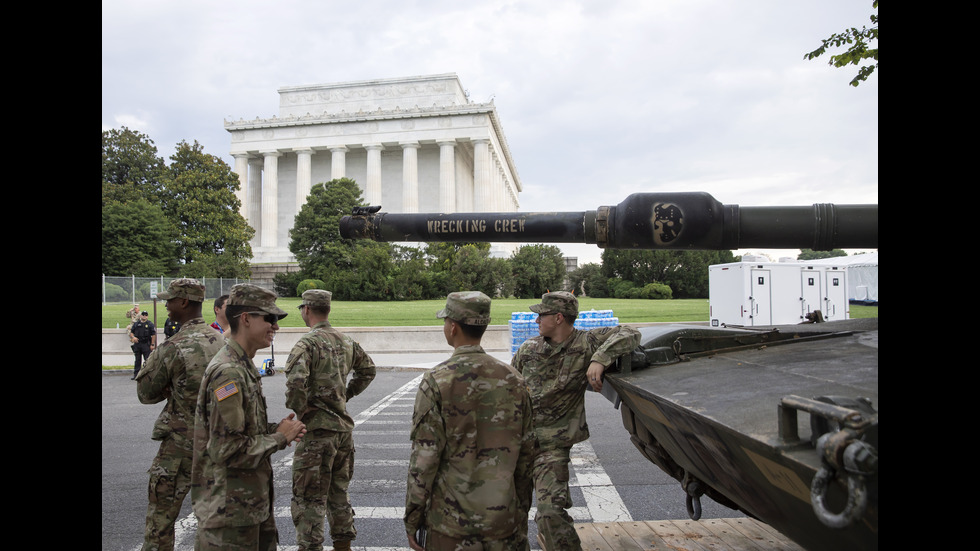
{"x": 598, "y": 98}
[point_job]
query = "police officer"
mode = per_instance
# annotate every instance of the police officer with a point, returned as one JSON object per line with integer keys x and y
{"x": 143, "y": 335}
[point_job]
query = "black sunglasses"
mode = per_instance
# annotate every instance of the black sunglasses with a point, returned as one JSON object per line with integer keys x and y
{"x": 271, "y": 318}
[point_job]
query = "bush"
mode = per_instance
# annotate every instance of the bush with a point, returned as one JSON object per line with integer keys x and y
{"x": 656, "y": 291}
{"x": 285, "y": 283}
{"x": 308, "y": 284}
{"x": 115, "y": 293}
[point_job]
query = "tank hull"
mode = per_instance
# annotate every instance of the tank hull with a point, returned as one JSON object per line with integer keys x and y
{"x": 715, "y": 419}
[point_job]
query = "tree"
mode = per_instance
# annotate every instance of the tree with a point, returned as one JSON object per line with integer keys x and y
{"x": 858, "y": 51}
{"x": 136, "y": 239}
{"x": 131, "y": 168}
{"x": 468, "y": 267}
{"x": 537, "y": 269}
{"x": 588, "y": 280}
{"x": 198, "y": 196}
{"x": 686, "y": 272}
{"x": 351, "y": 269}
{"x": 810, "y": 254}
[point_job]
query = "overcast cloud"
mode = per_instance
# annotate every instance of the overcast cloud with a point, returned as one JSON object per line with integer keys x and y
{"x": 598, "y": 99}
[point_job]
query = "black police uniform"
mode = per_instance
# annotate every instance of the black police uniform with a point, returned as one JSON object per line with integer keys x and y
{"x": 143, "y": 331}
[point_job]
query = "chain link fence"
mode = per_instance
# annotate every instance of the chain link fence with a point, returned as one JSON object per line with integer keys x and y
{"x": 132, "y": 289}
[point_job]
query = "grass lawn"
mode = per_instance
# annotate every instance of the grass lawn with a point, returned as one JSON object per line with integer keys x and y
{"x": 423, "y": 312}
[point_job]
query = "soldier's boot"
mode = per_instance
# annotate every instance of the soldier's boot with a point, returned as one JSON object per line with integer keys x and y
{"x": 341, "y": 545}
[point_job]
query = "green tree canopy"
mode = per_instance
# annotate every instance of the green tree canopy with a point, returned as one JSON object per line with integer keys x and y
{"x": 810, "y": 254}
{"x": 351, "y": 269}
{"x": 537, "y": 270}
{"x": 588, "y": 280}
{"x": 131, "y": 168}
{"x": 136, "y": 239}
{"x": 685, "y": 272}
{"x": 858, "y": 50}
{"x": 468, "y": 267}
{"x": 199, "y": 199}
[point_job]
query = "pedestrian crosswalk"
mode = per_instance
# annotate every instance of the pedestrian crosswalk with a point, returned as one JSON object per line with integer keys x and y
{"x": 381, "y": 441}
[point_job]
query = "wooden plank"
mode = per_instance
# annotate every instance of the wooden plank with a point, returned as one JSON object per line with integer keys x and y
{"x": 702, "y": 532}
{"x": 592, "y": 538}
{"x": 645, "y": 537}
{"x": 722, "y": 529}
{"x": 735, "y": 534}
{"x": 674, "y": 535}
{"x": 765, "y": 536}
{"x": 617, "y": 537}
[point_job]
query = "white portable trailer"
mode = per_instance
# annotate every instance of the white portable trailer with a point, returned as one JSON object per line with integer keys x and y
{"x": 771, "y": 293}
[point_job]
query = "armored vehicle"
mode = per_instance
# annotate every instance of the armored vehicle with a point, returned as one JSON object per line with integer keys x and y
{"x": 720, "y": 408}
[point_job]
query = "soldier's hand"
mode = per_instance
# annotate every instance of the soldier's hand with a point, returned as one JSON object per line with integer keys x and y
{"x": 594, "y": 375}
{"x": 292, "y": 429}
{"x": 414, "y": 544}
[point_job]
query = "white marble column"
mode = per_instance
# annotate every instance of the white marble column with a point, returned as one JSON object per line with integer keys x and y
{"x": 270, "y": 199}
{"x": 253, "y": 197}
{"x": 447, "y": 176}
{"x": 410, "y": 176}
{"x": 496, "y": 187}
{"x": 338, "y": 162}
{"x": 304, "y": 176}
{"x": 482, "y": 198}
{"x": 372, "y": 188}
{"x": 241, "y": 168}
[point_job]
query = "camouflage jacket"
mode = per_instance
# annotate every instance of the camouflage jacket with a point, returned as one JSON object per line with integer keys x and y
{"x": 472, "y": 448}
{"x": 231, "y": 477}
{"x": 556, "y": 379}
{"x": 173, "y": 373}
{"x": 316, "y": 378}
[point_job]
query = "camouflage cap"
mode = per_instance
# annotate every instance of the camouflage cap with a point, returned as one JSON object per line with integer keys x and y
{"x": 317, "y": 298}
{"x": 469, "y": 307}
{"x": 558, "y": 302}
{"x": 188, "y": 288}
{"x": 253, "y": 296}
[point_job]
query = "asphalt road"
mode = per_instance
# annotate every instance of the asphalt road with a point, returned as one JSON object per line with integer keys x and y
{"x": 611, "y": 480}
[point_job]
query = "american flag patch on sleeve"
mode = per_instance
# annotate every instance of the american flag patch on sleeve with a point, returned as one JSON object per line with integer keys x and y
{"x": 228, "y": 390}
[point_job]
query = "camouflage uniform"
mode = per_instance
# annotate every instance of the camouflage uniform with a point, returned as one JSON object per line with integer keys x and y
{"x": 556, "y": 379}
{"x": 231, "y": 478}
{"x": 317, "y": 390}
{"x": 173, "y": 373}
{"x": 472, "y": 447}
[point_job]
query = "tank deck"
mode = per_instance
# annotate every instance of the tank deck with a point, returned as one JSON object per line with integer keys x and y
{"x": 733, "y": 534}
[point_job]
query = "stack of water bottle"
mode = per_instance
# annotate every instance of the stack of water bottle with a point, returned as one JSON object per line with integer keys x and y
{"x": 523, "y": 325}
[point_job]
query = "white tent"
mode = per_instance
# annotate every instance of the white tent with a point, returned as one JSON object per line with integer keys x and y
{"x": 862, "y": 274}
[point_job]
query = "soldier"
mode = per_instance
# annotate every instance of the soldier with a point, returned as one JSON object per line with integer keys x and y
{"x": 558, "y": 365}
{"x": 143, "y": 335}
{"x": 231, "y": 478}
{"x": 173, "y": 373}
{"x": 318, "y": 391}
{"x": 469, "y": 476}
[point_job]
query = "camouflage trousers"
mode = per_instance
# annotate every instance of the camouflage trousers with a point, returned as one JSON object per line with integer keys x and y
{"x": 170, "y": 480}
{"x": 322, "y": 469}
{"x": 555, "y": 526}
{"x": 436, "y": 541}
{"x": 253, "y": 537}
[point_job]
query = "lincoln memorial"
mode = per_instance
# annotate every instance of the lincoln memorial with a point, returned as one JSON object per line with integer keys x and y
{"x": 415, "y": 144}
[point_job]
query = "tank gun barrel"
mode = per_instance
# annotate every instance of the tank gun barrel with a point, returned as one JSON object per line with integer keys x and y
{"x": 642, "y": 221}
